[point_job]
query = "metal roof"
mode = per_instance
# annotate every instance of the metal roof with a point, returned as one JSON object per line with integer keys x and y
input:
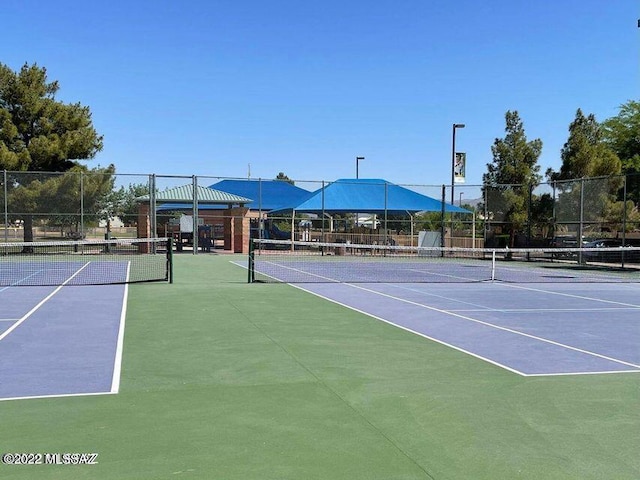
{"x": 184, "y": 193}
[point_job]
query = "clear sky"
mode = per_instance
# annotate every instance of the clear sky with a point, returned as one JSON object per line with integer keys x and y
{"x": 300, "y": 87}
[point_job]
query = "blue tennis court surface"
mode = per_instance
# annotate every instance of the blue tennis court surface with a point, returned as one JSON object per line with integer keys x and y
{"x": 82, "y": 272}
{"x": 529, "y": 329}
{"x": 63, "y": 340}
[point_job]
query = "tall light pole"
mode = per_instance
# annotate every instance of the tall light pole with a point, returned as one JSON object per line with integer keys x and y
{"x": 357, "y": 160}
{"x": 453, "y": 157}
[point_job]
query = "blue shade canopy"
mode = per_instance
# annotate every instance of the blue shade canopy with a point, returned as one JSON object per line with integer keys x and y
{"x": 264, "y": 194}
{"x": 367, "y": 196}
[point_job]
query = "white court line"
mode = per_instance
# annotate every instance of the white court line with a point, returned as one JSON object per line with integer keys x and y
{"x": 534, "y": 310}
{"x": 117, "y": 367}
{"x": 498, "y": 327}
{"x": 9, "y": 319}
{"x": 62, "y": 395}
{"x": 15, "y": 284}
{"x": 34, "y": 309}
{"x": 483, "y": 308}
{"x": 331, "y": 280}
{"x": 434, "y": 274}
{"x": 566, "y": 374}
{"x": 570, "y": 295}
{"x": 452, "y": 313}
{"x": 115, "y": 381}
{"x": 434, "y": 339}
{"x": 429, "y": 294}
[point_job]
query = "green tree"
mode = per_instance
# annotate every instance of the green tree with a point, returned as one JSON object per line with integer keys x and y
{"x": 588, "y": 180}
{"x": 129, "y": 209}
{"x": 585, "y": 154}
{"x": 513, "y": 170}
{"x": 622, "y": 134}
{"x": 122, "y": 203}
{"x": 39, "y": 133}
{"x": 60, "y": 199}
{"x": 281, "y": 176}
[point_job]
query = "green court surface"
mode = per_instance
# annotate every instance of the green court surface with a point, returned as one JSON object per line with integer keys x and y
{"x": 226, "y": 380}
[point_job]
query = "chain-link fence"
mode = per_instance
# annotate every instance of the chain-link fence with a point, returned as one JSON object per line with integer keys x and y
{"x": 76, "y": 205}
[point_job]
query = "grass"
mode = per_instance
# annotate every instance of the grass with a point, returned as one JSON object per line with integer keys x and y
{"x": 233, "y": 381}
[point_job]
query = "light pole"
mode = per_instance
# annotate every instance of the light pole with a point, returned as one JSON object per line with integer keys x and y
{"x": 357, "y": 160}
{"x": 453, "y": 157}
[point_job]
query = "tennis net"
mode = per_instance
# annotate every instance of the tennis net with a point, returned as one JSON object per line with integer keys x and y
{"x": 303, "y": 262}
{"x": 85, "y": 262}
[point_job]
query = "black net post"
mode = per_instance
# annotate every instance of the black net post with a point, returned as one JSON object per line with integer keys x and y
{"x": 251, "y": 265}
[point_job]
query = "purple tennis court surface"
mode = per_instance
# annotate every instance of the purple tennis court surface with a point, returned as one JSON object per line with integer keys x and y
{"x": 57, "y": 341}
{"x": 532, "y": 329}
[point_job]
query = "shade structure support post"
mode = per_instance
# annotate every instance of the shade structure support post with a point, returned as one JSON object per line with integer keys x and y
{"x": 293, "y": 231}
{"x": 194, "y": 182}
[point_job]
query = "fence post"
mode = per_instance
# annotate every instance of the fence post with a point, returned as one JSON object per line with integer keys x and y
{"x": 553, "y": 211}
{"x": 624, "y": 217}
{"x": 386, "y": 234}
{"x": 6, "y": 206}
{"x": 81, "y": 205}
{"x": 529, "y": 209}
{"x": 153, "y": 225}
{"x": 580, "y": 225}
{"x": 194, "y": 181}
{"x": 442, "y": 229}
{"x": 324, "y": 235}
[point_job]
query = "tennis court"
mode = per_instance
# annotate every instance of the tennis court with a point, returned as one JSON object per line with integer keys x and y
{"x": 224, "y": 379}
{"x": 63, "y": 313}
{"x": 57, "y": 341}
{"x": 529, "y": 330}
{"x": 536, "y": 316}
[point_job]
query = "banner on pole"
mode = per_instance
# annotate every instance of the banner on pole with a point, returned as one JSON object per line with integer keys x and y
{"x": 460, "y": 167}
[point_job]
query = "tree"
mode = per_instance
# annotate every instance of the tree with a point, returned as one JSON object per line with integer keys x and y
{"x": 622, "y": 134}
{"x": 588, "y": 178}
{"x": 61, "y": 199}
{"x": 585, "y": 154}
{"x": 38, "y": 133}
{"x": 122, "y": 203}
{"x": 284, "y": 178}
{"x": 511, "y": 174}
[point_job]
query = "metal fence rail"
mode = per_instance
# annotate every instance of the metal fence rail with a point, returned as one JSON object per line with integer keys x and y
{"x": 77, "y": 205}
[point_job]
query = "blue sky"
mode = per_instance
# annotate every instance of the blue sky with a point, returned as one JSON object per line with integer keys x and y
{"x": 209, "y": 87}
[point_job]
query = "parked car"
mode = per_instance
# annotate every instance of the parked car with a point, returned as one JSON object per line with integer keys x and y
{"x": 621, "y": 252}
{"x": 565, "y": 241}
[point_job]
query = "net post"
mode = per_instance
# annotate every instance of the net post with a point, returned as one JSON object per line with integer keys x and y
{"x": 493, "y": 265}
{"x": 170, "y": 258}
{"x": 251, "y": 265}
